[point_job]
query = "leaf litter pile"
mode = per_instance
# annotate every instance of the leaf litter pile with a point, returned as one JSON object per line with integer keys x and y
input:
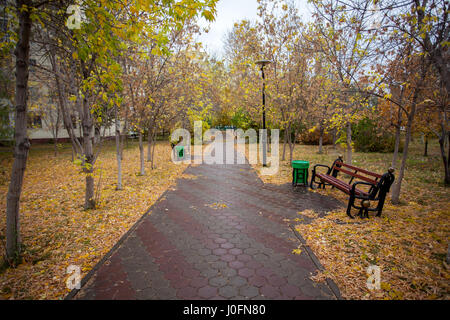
{"x": 408, "y": 243}
{"x": 57, "y": 232}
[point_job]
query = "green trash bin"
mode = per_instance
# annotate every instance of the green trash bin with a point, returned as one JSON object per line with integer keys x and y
{"x": 300, "y": 172}
{"x": 179, "y": 150}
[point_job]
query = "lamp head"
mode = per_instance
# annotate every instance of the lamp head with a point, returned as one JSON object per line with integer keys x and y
{"x": 263, "y": 63}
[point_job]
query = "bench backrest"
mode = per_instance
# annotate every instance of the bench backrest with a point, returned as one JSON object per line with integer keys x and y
{"x": 355, "y": 172}
{"x": 380, "y": 183}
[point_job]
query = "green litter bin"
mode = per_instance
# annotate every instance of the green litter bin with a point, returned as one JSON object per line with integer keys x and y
{"x": 300, "y": 172}
{"x": 179, "y": 152}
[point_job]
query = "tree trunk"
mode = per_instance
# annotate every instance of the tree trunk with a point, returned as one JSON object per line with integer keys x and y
{"x": 445, "y": 159}
{"x": 56, "y": 131}
{"x": 97, "y": 135}
{"x": 444, "y": 139}
{"x": 88, "y": 165}
{"x": 284, "y": 145}
{"x": 425, "y": 152}
{"x": 122, "y": 145}
{"x": 153, "y": 153}
{"x": 22, "y": 144}
{"x": 141, "y": 152}
{"x": 396, "y": 146}
{"x": 149, "y": 146}
{"x": 349, "y": 143}
{"x": 62, "y": 102}
{"x": 398, "y": 184}
{"x": 291, "y": 147}
{"x": 124, "y": 133}
{"x": 321, "y": 140}
{"x": 441, "y": 64}
{"x": 118, "y": 151}
{"x": 89, "y": 198}
{"x": 55, "y": 145}
{"x": 447, "y": 177}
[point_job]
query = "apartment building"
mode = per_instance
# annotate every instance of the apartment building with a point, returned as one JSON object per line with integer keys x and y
{"x": 44, "y": 117}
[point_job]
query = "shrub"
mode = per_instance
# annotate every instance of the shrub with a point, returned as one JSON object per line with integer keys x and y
{"x": 368, "y": 137}
{"x": 312, "y": 137}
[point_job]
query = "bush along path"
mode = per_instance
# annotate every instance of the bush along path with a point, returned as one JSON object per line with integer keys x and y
{"x": 221, "y": 235}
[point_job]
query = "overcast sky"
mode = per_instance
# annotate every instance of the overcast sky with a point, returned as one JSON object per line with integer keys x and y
{"x": 231, "y": 11}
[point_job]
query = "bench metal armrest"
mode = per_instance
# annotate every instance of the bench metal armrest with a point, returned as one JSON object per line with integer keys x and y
{"x": 322, "y": 165}
{"x": 363, "y": 183}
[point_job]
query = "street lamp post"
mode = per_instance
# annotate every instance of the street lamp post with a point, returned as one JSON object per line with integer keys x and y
{"x": 263, "y": 63}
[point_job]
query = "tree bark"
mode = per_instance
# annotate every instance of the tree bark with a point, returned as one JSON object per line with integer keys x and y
{"x": 321, "y": 140}
{"x": 284, "y": 145}
{"x": 55, "y": 131}
{"x": 55, "y": 145}
{"x": 444, "y": 139}
{"x": 141, "y": 152}
{"x": 88, "y": 165}
{"x": 425, "y": 152}
{"x": 153, "y": 152}
{"x": 124, "y": 133}
{"x": 149, "y": 146}
{"x": 62, "y": 102}
{"x": 445, "y": 159}
{"x": 349, "y": 143}
{"x": 291, "y": 146}
{"x": 396, "y": 146}
{"x": 398, "y": 184}
{"x": 97, "y": 136}
{"x": 334, "y": 138}
{"x": 448, "y": 157}
{"x": 441, "y": 65}
{"x": 118, "y": 151}
{"x": 398, "y": 133}
{"x": 22, "y": 143}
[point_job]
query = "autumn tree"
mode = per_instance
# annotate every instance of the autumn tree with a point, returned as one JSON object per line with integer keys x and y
{"x": 321, "y": 97}
{"x": 87, "y": 53}
{"x": 343, "y": 38}
{"x": 419, "y": 29}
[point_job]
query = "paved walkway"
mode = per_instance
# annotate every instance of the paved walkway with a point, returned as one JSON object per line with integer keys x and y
{"x": 193, "y": 247}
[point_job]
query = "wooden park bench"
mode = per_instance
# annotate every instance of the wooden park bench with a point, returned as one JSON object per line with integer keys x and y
{"x": 375, "y": 186}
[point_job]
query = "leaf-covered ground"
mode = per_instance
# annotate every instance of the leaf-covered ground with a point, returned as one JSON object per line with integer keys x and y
{"x": 57, "y": 232}
{"x": 409, "y": 242}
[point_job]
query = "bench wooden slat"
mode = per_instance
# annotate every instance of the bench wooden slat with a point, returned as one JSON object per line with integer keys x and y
{"x": 340, "y": 184}
{"x": 357, "y": 176}
{"x": 359, "y": 169}
{"x": 336, "y": 183}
